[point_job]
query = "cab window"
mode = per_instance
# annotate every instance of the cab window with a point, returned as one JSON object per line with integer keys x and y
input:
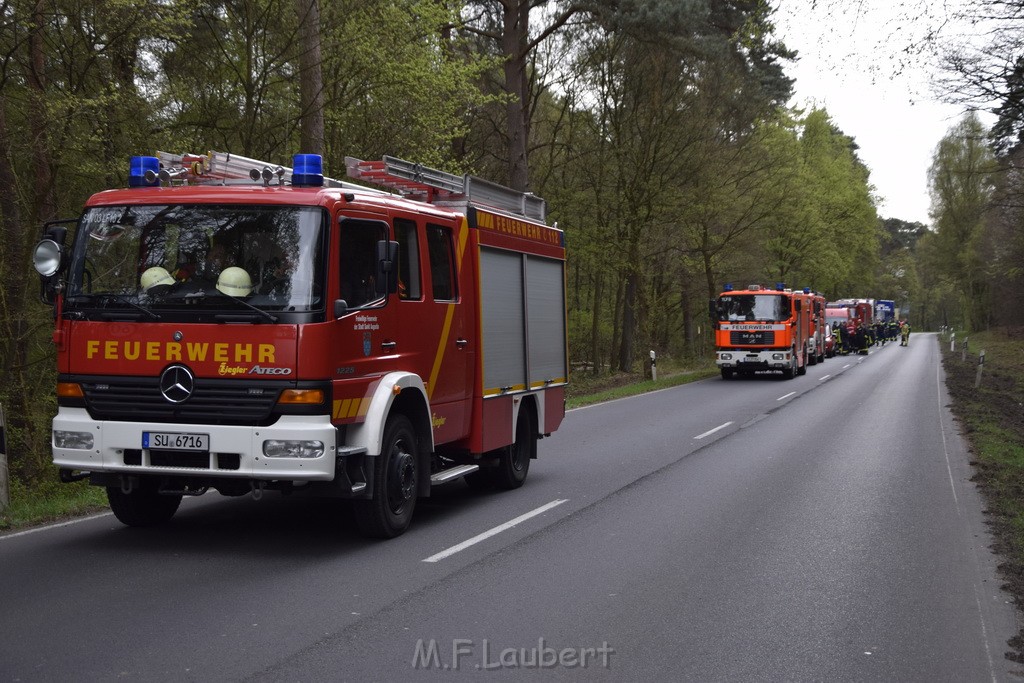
{"x": 408, "y": 259}
{"x": 442, "y": 263}
{"x": 358, "y": 246}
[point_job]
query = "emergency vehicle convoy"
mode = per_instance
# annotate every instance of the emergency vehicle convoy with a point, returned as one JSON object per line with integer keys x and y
{"x": 227, "y": 324}
{"x": 761, "y": 329}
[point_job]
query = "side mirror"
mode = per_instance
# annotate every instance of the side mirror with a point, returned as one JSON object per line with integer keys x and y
{"x": 340, "y": 308}
{"x": 387, "y": 267}
{"x": 797, "y": 305}
{"x": 49, "y": 260}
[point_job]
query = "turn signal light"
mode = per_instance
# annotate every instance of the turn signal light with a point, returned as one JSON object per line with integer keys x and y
{"x": 303, "y": 397}
{"x": 69, "y": 390}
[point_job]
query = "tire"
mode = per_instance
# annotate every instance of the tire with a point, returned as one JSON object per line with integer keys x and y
{"x": 790, "y": 372}
{"x": 514, "y": 460}
{"x": 395, "y": 473}
{"x": 726, "y": 373}
{"x": 802, "y": 369}
{"x": 143, "y": 507}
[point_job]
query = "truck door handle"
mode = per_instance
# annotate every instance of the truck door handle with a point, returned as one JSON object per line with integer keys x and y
{"x": 388, "y": 345}
{"x": 461, "y": 343}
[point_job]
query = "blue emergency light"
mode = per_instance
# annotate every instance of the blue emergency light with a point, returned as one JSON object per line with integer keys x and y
{"x": 780, "y": 286}
{"x": 139, "y": 167}
{"x": 807, "y": 290}
{"x": 307, "y": 170}
{"x": 728, "y": 286}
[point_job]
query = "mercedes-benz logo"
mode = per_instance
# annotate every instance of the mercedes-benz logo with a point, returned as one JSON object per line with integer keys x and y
{"x": 177, "y": 383}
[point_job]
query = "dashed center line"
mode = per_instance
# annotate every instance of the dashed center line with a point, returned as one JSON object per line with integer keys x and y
{"x": 782, "y": 398}
{"x": 495, "y": 531}
{"x": 712, "y": 431}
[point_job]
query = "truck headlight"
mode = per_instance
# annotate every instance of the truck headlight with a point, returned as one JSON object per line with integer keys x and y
{"x": 278, "y": 448}
{"x": 81, "y": 441}
{"x": 778, "y": 356}
{"x": 726, "y": 356}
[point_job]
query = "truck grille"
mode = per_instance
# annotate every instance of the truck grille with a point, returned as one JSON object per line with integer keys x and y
{"x": 214, "y": 401}
{"x": 752, "y": 338}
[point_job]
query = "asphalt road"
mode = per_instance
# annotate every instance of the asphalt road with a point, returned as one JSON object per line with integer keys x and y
{"x": 821, "y": 528}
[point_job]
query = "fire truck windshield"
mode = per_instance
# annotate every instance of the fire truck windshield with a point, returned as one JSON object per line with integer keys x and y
{"x": 167, "y": 257}
{"x": 759, "y": 307}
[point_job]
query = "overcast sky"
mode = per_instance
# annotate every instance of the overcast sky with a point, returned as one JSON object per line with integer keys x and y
{"x": 853, "y": 63}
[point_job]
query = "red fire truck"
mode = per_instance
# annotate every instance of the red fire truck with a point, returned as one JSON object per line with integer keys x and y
{"x": 228, "y": 324}
{"x": 760, "y": 329}
{"x": 816, "y": 340}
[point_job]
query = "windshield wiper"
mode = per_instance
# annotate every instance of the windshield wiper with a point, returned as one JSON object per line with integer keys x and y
{"x": 270, "y": 317}
{"x": 122, "y": 298}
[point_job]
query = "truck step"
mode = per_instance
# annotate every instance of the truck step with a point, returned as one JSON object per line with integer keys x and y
{"x": 452, "y": 473}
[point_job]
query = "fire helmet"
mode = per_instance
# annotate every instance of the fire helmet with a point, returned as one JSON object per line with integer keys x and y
{"x": 155, "y": 277}
{"x": 234, "y": 281}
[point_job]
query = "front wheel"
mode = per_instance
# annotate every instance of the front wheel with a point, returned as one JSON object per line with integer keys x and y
{"x": 790, "y": 372}
{"x": 395, "y": 474}
{"x": 144, "y": 506}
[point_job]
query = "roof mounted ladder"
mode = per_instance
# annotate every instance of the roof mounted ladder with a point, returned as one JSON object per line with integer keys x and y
{"x": 227, "y": 168}
{"x": 426, "y": 184}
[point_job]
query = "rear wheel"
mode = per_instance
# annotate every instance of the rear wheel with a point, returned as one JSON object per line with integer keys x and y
{"x": 395, "y": 473}
{"x": 514, "y": 460}
{"x": 144, "y": 506}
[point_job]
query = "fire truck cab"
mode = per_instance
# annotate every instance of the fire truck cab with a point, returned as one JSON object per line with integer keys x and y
{"x": 228, "y": 324}
{"x": 760, "y": 329}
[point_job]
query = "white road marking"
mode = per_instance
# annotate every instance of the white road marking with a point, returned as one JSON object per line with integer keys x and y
{"x": 846, "y": 366}
{"x": 782, "y": 398}
{"x": 495, "y": 531}
{"x": 822, "y": 379}
{"x": 7, "y": 537}
{"x": 712, "y": 431}
{"x": 945, "y": 447}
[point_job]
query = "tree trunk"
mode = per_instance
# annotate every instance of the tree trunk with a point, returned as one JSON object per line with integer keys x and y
{"x": 616, "y": 322}
{"x": 311, "y": 82}
{"x": 514, "y": 47}
{"x": 629, "y": 313}
{"x": 686, "y": 308}
{"x": 595, "y": 325}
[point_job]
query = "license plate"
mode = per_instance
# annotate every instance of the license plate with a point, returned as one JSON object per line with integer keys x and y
{"x": 173, "y": 441}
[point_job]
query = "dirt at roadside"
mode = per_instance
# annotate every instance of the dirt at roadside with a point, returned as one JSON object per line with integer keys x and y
{"x": 996, "y": 407}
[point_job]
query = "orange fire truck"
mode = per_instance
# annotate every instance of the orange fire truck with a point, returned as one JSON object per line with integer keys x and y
{"x": 761, "y": 329}
{"x": 228, "y": 324}
{"x": 816, "y": 340}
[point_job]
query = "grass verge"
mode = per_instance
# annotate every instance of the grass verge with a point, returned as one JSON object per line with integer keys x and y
{"x": 50, "y": 502}
{"x": 588, "y": 391}
{"x": 991, "y": 417}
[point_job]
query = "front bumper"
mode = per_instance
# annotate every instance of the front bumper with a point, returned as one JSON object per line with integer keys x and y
{"x": 742, "y": 359}
{"x": 236, "y": 452}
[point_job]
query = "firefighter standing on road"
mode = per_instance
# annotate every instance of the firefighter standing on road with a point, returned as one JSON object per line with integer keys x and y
{"x": 905, "y": 334}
